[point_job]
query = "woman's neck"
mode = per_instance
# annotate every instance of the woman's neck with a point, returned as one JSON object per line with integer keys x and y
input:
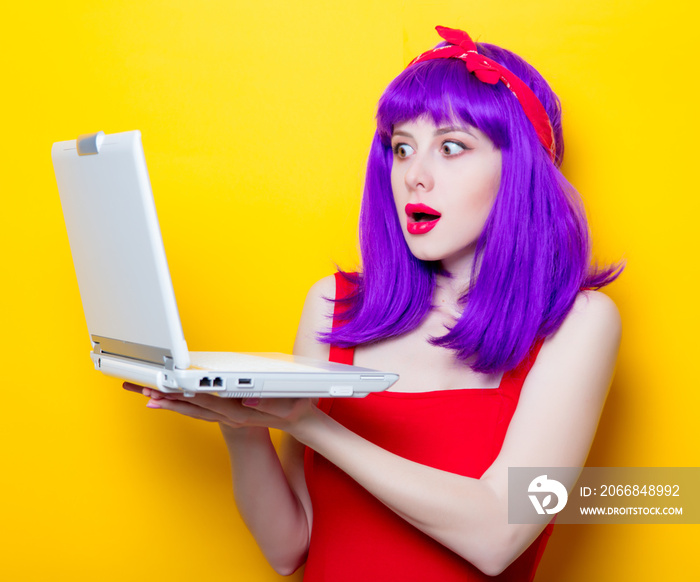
{"x": 456, "y": 281}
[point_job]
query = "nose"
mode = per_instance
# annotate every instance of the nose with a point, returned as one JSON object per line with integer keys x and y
{"x": 419, "y": 174}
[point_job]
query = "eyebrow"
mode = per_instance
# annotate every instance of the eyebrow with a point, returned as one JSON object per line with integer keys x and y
{"x": 440, "y": 131}
{"x": 451, "y": 128}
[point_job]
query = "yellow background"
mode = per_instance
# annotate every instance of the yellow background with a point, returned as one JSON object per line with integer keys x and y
{"x": 256, "y": 121}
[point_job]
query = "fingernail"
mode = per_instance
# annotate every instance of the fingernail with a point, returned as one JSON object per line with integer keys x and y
{"x": 146, "y": 392}
{"x": 153, "y": 404}
{"x": 251, "y": 402}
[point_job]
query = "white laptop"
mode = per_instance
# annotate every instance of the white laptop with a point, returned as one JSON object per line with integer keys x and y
{"x": 128, "y": 296}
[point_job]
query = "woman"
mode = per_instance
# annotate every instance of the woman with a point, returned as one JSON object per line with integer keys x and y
{"x": 476, "y": 289}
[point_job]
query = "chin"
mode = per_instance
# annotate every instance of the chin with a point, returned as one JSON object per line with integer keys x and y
{"x": 427, "y": 255}
{"x": 453, "y": 260}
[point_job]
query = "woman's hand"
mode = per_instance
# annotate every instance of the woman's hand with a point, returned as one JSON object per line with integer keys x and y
{"x": 281, "y": 413}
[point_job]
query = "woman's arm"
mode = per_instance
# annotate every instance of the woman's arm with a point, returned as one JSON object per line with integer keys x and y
{"x": 265, "y": 498}
{"x": 269, "y": 489}
{"x": 553, "y": 425}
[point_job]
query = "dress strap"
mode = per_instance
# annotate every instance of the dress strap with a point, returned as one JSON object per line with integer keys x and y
{"x": 343, "y": 288}
{"x": 515, "y": 378}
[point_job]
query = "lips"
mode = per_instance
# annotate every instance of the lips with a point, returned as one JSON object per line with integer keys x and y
{"x": 421, "y": 218}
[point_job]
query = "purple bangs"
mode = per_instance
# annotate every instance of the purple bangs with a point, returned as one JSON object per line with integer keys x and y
{"x": 445, "y": 92}
{"x": 533, "y": 255}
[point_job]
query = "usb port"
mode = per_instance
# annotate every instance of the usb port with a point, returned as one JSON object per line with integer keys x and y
{"x": 245, "y": 381}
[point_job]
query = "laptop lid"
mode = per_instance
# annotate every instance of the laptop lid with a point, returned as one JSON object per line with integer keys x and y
{"x": 117, "y": 249}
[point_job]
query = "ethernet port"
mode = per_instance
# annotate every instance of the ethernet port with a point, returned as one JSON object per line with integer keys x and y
{"x": 204, "y": 383}
{"x": 218, "y": 383}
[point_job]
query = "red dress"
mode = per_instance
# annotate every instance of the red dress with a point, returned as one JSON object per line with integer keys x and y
{"x": 354, "y": 536}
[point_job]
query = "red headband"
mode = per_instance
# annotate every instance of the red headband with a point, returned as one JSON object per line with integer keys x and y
{"x": 488, "y": 71}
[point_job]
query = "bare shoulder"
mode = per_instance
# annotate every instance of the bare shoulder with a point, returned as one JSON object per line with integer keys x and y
{"x": 321, "y": 289}
{"x": 315, "y": 317}
{"x": 593, "y": 309}
{"x": 564, "y": 393}
{"x": 593, "y": 326}
{"x": 316, "y": 306}
{"x": 588, "y": 339}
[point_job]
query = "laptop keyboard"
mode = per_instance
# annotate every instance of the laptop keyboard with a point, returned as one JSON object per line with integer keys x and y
{"x": 228, "y": 361}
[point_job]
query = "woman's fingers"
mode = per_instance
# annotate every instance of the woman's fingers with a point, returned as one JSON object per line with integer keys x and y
{"x": 186, "y": 408}
{"x": 151, "y": 392}
{"x": 279, "y": 407}
{"x": 270, "y": 412}
{"x": 132, "y": 387}
{"x": 207, "y": 407}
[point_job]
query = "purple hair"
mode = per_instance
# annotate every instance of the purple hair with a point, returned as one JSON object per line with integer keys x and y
{"x": 533, "y": 255}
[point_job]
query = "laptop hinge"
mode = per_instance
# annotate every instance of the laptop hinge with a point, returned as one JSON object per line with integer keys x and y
{"x": 133, "y": 351}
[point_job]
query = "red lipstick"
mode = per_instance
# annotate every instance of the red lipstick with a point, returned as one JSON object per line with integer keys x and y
{"x": 421, "y": 218}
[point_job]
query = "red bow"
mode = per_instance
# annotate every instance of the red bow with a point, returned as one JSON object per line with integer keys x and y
{"x": 484, "y": 68}
{"x": 462, "y": 47}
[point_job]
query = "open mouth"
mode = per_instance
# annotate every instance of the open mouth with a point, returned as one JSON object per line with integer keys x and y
{"x": 424, "y": 217}
{"x": 421, "y": 218}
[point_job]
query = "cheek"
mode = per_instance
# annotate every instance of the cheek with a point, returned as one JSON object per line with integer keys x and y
{"x": 398, "y": 192}
{"x": 495, "y": 182}
{"x": 478, "y": 199}
{"x": 490, "y": 184}
{"x": 490, "y": 194}
{"x": 396, "y": 180}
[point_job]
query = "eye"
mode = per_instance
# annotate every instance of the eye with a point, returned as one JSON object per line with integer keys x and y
{"x": 451, "y": 148}
{"x": 402, "y": 150}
